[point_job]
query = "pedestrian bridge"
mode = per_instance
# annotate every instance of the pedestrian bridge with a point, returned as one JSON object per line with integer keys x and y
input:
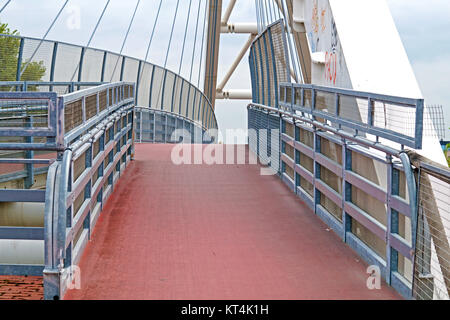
{"x": 328, "y": 196}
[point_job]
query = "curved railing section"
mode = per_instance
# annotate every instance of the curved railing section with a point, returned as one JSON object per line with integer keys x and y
{"x": 91, "y": 131}
{"x": 363, "y": 187}
{"x": 157, "y": 126}
{"x": 158, "y": 88}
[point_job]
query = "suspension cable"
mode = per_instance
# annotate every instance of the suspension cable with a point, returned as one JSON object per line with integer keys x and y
{"x": 257, "y": 16}
{"x": 98, "y": 23}
{"x": 201, "y": 50}
{"x": 171, "y": 33}
{"x": 43, "y": 38}
{"x": 290, "y": 45}
{"x": 184, "y": 40}
{"x": 195, "y": 39}
{"x": 153, "y": 31}
{"x": 266, "y": 12}
{"x": 272, "y": 6}
{"x": 125, "y": 39}
{"x": 91, "y": 37}
{"x": 6, "y": 4}
{"x": 269, "y": 13}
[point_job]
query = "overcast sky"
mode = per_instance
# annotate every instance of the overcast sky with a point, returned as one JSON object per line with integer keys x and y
{"x": 423, "y": 25}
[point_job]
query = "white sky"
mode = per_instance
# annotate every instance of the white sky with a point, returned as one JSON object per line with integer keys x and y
{"x": 423, "y": 25}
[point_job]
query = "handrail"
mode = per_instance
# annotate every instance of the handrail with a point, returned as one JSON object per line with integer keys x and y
{"x": 63, "y": 220}
{"x": 293, "y": 97}
{"x": 292, "y": 171}
{"x": 123, "y": 72}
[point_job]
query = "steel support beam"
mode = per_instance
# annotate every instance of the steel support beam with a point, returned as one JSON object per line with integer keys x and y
{"x": 212, "y": 49}
{"x": 235, "y": 63}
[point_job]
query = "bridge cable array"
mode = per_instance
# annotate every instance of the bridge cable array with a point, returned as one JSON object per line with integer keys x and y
{"x": 92, "y": 36}
{"x": 126, "y": 37}
{"x": 43, "y": 38}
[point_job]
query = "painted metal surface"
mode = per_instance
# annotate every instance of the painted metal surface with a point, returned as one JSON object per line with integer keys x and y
{"x": 97, "y": 66}
{"x": 348, "y": 210}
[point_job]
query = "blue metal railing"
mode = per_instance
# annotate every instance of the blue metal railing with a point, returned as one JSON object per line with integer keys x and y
{"x": 96, "y": 144}
{"x": 156, "y": 87}
{"x": 331, "y": 185}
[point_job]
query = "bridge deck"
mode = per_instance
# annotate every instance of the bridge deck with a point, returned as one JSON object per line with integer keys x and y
{"x": 214, "y": 232}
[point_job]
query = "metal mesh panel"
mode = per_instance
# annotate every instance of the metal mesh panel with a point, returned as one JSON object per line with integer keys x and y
{"x": 73, "y": 115}
{"x": 184, "y": 98}
{"x": 37, "y": 69}
{"x": 9, "y": 52}
{"x": 112, "y": 67}
{"x": 168, "y": 91}
{"x": 156, "y": 93}
{"x": 102, "y": 102}
{"x": 144, "y": 85}
{"x": 190, "y": 102}
{"x": 130, "y": 70}
{"x": 67, "y": 63}
{"x": 91, "y": 106}
{"x": 92, "y": 65}
{"x": 432, "y": 259}
{"x": 270, "y": 65}
{"x": 176, "y": 96}
{"x": 434, "y": 122}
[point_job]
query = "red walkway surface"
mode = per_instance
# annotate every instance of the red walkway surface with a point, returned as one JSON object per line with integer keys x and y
{"x": 214, "y": 232}
{"x": 21, "y": 288}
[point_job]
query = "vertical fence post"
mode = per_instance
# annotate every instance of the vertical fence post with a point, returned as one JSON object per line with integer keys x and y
{"x": 102, "y": 76}
{"x": 80, "y": 69}
{"x": 29, "y": 180}
{"x": 19, "y": 61}
{"x": 346, "y": 188}
{"x": 138, "y": 80}
{"x": 53, "y": 63}
{"x": 392, "y": 187}
{"x": 370, "y": 112}
{"x": 316, "y": 168}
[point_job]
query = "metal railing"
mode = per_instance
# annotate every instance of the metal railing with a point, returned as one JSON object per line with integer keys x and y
{"x": 158, "y": 126}
{"x": 53, "y": 62}
{"x": 337, "y": 151}
{"x": 432, "y": 259}
{"x": 95, "y": 145}
{"x": 396, "y": 119}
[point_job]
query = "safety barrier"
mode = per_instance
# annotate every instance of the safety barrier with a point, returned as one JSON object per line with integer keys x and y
{"x": 158, "y": 126}
{"x": 432, "y": 259}
{"x": 34, "y": 60}
{"x": 361, "y": 188}
{"x": 94, "y": 144}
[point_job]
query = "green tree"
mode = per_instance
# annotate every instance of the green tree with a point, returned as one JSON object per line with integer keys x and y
{"x": 9, "y": 54}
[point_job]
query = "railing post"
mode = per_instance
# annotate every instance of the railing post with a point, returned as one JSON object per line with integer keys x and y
{"x": 138, "y": 80}
{"x": 29, "y": 180}
{"x": 80, "y": 69}
{"x": 346, "y": 188}
{"x": 102, "y": 76}
{"x": 370, "y": 112}
{"x": 53, "y": 63}
{"x": 392, "y": 188}
{"x": 316, "y": 169}
{"x": 19, "y": 61}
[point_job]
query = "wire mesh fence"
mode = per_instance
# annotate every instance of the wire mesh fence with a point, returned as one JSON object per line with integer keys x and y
{"x": 436, "y": 127}
{"x": 432, "y": 259}
{"x": 269, "y": 64}
{"x": 25, "y": 62}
